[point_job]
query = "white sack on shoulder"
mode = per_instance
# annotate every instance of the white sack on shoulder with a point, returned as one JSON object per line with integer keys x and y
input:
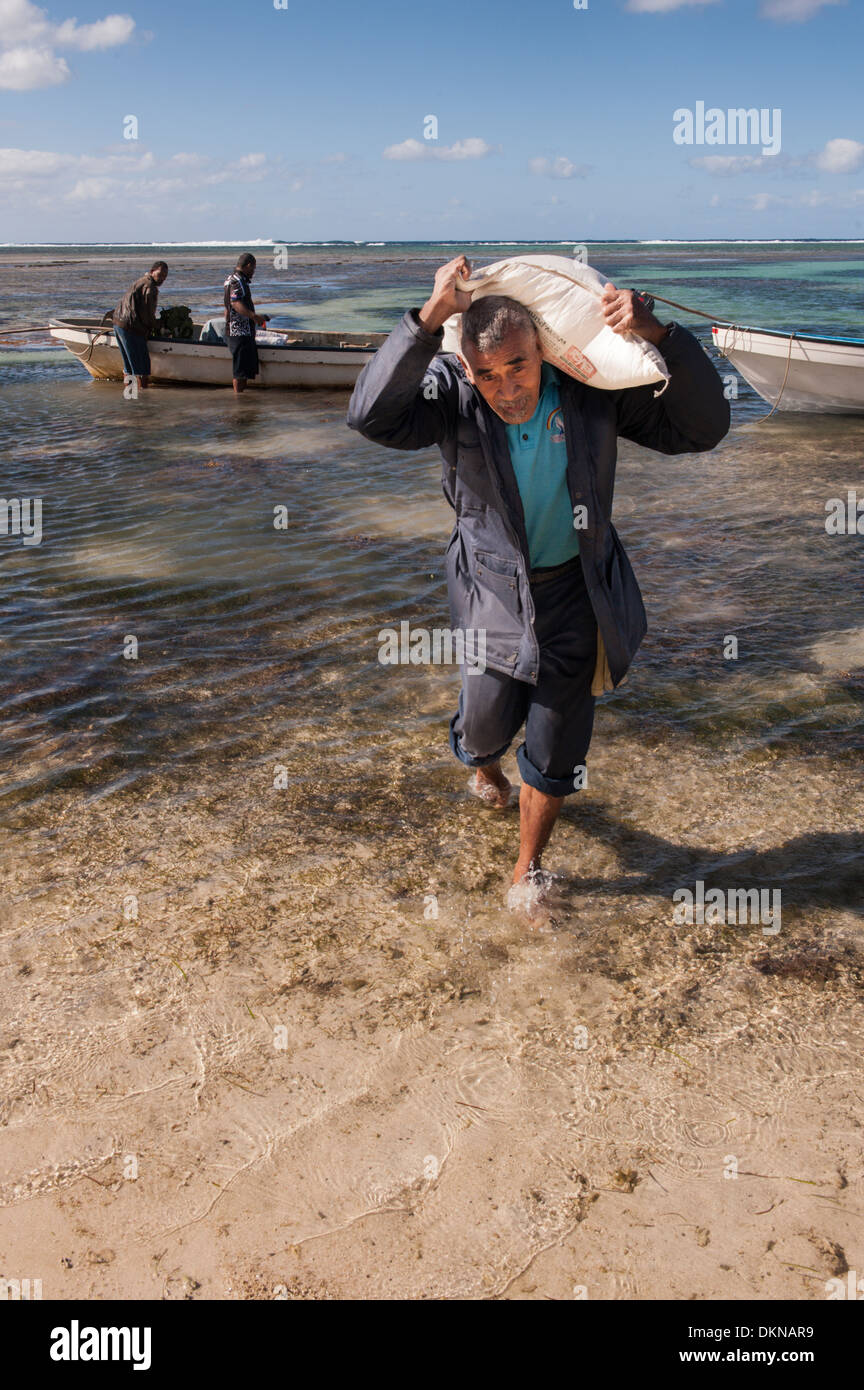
{"x": 563, "y": 298}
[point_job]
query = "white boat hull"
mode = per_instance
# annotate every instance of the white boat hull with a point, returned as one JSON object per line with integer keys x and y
{"x": 311, "y": 360}
{"x": 825, "y": 375}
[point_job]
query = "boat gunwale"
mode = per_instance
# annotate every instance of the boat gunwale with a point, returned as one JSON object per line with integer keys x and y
{"x": 94, "y": 331}
{"x": 785, "y": 333}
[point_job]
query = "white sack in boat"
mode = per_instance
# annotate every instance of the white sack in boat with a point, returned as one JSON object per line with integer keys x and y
{"x": 563, "y": 298}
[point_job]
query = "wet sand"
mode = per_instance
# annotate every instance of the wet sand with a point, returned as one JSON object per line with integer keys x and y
{"x": 243, "y": 1059}
{"x": 284, "y": 1041}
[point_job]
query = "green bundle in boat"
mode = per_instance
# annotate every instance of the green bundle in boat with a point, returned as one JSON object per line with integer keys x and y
{"x": 175, "y": 322}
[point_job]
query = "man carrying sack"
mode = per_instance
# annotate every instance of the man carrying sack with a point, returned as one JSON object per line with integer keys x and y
{"x": 534, "y": 561}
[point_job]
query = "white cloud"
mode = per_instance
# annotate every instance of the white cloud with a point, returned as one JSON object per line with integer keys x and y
{"x": 28, "y": 39}
{"x": 472, "y": 148}
{"x": 22, "y": 22}
{"x": 794, "y": 11}
{"x": 814, "y": 198}
{"x": 728, "y": 163}
{"x": 559, "y": 168}
{"x": 250, "y": 168}
{"x": 22, "y": 69}
{"x": 841, "y": 157}
{"x": 663, "y": 6}
{"x": 42, "y": 178}
{"x": 90, "y": 191}
{"x": 109, "y": 32}
{"x": 30, "y": 164}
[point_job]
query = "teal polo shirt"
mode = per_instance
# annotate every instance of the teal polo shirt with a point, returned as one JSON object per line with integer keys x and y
{"x": 538, "y": 452}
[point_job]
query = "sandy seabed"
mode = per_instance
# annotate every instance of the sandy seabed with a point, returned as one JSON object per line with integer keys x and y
{"x": 243, "y": 1058}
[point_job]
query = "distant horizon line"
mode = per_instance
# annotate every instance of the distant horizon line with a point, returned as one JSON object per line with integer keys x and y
{"x": 415, "y": 241}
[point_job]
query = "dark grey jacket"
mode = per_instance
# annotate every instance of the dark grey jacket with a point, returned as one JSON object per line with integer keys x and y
{"x": 407, "y": 398}
{"x": 137, "y": 309}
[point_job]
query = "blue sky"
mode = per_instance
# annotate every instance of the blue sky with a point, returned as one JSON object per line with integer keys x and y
{"x": 308, "y": 122}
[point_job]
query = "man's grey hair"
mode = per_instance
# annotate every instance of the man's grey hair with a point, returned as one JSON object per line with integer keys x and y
{"x": 488, "y": 321}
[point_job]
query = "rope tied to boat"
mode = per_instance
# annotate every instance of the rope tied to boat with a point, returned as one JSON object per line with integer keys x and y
{"x": 700, "y": 313}
{"x": 783, "y": 387}
{"x": 103, "y": 332}
{"x": 724, "y": 323}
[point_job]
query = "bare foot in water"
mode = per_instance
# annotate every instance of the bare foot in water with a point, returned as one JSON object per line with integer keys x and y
{"x": 491, "y": 786}
{"x": 530, "y": 894}
{"x": 530, "y": 891}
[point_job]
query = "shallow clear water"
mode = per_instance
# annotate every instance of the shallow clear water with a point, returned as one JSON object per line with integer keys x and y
{"x": 254, "y": 825}
{"x": 158, "y": 525}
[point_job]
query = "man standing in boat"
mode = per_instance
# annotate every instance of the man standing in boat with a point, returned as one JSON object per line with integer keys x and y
{"x": 524, "y": 447}
{"x": 135, "y": 322}
{"x": 241, "y": 320}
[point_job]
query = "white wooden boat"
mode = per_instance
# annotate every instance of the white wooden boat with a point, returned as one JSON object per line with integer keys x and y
{"x": 304, "y": 359}
{"x": 797, "y": 371}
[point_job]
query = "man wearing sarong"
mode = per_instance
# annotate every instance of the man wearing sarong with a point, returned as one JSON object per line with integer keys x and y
{"x": 241, "y": 321}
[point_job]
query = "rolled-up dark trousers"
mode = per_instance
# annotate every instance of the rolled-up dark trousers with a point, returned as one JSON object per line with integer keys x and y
{"x": 133, "y": 350}
{"x": 558, "y": 712}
